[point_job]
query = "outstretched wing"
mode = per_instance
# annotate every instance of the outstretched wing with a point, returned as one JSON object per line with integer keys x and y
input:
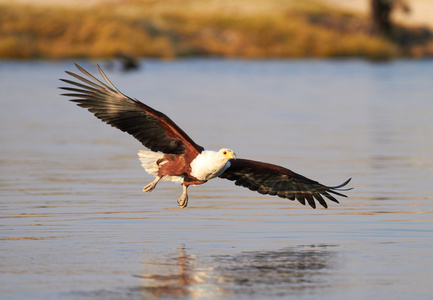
{"x": 152, "y": 128}
{"x": 275, "y": 180}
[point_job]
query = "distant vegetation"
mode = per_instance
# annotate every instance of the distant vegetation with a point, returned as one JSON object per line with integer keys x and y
{"x": 179, "y": 28}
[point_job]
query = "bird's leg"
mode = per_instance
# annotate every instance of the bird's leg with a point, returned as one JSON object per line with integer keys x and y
{"x": 183, "y": 200}
{"x": 148, "y": 188}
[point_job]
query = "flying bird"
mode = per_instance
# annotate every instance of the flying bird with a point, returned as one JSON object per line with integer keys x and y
{"x": 175, "y": 157}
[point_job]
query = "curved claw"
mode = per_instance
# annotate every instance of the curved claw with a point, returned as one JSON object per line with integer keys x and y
{"x": 183, "y": 200}
{"x": 148, "y": 188}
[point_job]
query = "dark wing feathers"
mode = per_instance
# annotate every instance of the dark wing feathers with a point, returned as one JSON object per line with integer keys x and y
{"x": 275, "y": 180}
{"x": 152, "y": 128}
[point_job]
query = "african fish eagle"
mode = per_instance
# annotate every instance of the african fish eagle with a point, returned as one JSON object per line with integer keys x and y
{"x": 174, "y": 156}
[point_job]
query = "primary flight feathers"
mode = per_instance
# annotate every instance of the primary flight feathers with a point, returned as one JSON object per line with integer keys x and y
{"x": 176, "y": 157}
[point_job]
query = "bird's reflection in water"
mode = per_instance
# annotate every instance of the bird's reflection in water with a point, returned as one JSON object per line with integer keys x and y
{"x": 287, "y": 271}
{"x": 172, "y": 275}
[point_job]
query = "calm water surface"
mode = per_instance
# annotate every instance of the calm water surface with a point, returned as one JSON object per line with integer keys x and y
{"x": 75, "y": 224}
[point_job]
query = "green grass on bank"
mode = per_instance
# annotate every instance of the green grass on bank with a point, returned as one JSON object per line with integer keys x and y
{"x": 178, "y": 28}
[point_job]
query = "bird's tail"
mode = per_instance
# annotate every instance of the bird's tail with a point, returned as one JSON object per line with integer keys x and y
{"x": 149, "y": 161}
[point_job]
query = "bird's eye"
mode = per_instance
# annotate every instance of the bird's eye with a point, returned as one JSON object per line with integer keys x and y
{"x": 225, "y": 152}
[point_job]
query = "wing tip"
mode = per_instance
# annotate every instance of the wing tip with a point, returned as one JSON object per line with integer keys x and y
{"x": 339, "y": 187}
{"x": 343, "y": 184}
{"x": 79, "y": 67}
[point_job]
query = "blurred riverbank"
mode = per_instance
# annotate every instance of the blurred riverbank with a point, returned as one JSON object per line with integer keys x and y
{"x": 184, "y": 28}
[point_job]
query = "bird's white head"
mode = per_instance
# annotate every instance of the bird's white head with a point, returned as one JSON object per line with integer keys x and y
{"x": 227, "y": 153}
{"x": 209, "y": 164}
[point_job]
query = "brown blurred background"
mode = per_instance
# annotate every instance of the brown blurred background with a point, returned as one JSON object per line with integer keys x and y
{"x": 130, "y": 29}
